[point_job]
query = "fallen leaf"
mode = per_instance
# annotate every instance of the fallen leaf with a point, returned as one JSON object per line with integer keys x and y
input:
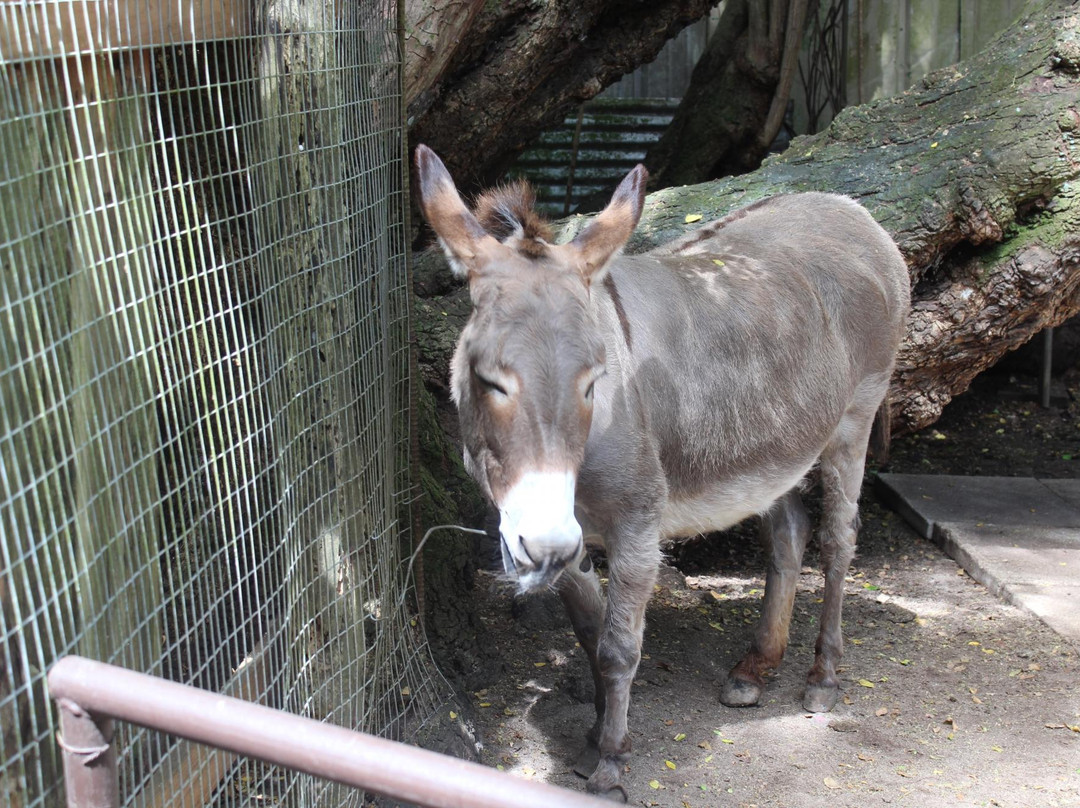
{"x": 720, "y": 263}
{"x": 539, "y": 664}
{"x": 681, "y": 736}
{"x": 654, "y": 784}
{"x": 866, "y": 683}
{"x": 485, "y": 704}
{"x": 831, "y": 782}
{"x": 880, "y": 711}
{"x": 692, "y": 217}
{"x": 705, "y": 745}
{"x": 453, "y": 715}
{"x": 669, "y": 764}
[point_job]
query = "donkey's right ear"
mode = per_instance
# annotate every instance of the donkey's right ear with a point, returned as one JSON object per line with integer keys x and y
{"x": 461, "y": 235}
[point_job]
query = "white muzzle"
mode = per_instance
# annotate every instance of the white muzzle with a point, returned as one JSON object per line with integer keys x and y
{"x": 540, "y": 534}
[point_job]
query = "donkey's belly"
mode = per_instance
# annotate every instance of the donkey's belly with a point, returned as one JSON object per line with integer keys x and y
{"x": 723, "y": 504}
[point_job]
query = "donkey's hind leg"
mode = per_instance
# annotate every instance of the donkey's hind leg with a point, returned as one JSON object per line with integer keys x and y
{"x": 785, "y": 530}
{"x": 842, "y": 465}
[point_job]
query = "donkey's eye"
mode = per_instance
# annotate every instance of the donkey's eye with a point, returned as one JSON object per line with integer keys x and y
{"x": 588, "y": 393}
{"x": 490, "y": 385}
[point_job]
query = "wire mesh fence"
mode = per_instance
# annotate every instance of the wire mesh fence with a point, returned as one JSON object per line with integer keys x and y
{"x": 204, "y": 375}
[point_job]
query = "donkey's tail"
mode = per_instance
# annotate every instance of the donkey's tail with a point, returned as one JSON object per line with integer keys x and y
{"x": 881, "y": 434}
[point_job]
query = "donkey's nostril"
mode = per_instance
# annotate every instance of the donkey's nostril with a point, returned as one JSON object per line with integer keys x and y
{"x": 525, "y": 549}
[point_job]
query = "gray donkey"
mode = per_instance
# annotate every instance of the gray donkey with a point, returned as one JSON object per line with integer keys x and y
{"x": 629, "y": 399}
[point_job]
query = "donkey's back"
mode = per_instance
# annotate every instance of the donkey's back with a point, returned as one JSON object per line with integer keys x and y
{"x": 747, "y": 345}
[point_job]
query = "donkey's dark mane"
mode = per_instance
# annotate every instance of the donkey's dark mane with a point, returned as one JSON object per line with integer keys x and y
{"x": 506, "y": 209}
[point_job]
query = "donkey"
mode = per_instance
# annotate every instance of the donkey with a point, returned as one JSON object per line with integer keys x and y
{"x": 629, "y": 399}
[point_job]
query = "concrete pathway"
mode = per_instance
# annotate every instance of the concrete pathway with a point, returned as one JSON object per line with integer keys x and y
{"x": 1018, "y": 536}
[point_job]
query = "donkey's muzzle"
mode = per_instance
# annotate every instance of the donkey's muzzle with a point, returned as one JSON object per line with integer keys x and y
{"x": 540, "y": 535}
{"x": 539, "y": 568}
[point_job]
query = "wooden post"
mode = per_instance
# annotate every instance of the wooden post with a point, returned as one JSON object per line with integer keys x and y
{"x": 36, "y": 29}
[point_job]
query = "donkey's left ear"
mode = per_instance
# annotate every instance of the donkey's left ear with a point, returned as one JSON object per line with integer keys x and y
{"x": 608, "y": 232}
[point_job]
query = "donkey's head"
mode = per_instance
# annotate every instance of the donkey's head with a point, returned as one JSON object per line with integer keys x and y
{"x": 527, "y": 360}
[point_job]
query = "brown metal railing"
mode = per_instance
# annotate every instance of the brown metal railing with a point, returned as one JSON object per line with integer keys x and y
{"x": 91, "y": 695}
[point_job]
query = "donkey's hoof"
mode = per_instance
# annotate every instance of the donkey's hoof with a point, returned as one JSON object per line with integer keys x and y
{"x": 604, "y": 781}
{"x": 615, "y": 794}
{"x": 740, "y": 693}
{"x": 820, "y": 698}
{"x": 587, "y": 760}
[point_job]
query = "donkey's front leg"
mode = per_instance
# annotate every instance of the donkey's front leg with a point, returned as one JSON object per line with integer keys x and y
{"x": 580, "y": 591}
{"x": 632, "y": 567}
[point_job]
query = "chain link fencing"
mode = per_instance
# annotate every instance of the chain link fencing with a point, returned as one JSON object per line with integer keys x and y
{"x": 204, "y": 375}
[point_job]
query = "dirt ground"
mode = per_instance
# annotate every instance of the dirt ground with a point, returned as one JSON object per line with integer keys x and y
{"x": 950, "y": 696}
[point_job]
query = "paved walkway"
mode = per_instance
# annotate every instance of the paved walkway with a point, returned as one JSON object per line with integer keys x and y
{"x": 1018, "y": 536}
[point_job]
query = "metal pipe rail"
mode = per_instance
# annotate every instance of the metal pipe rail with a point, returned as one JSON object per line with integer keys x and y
{"x": 92, "y": 694}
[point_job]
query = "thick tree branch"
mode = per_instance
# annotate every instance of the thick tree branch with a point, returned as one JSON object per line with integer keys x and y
{"x": 738, "y": 94}
{"x": 973, "y": 173}
{"x": 789, "y": 68}
{"x": 519, "y": 66}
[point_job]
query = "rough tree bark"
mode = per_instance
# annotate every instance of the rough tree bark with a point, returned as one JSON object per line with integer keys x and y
{"x": 973, "y": 171}
{"x": 483, "y": 78}
{"x": 737, "y": 96}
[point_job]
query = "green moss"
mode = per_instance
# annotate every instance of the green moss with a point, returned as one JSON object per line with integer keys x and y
{"x": 447, "y": 493}
{"x": 1050, "y": 228}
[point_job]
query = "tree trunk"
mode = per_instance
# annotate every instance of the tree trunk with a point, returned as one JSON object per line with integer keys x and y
{"x": 484, "y": 78}
{"x": 973, "y": 173}
{"x": 737, "y": 97}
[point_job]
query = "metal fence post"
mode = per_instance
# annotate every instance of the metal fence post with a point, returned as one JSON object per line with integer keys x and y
{"x": 91, "y": 779}
{"x": 1047, "y": 366}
